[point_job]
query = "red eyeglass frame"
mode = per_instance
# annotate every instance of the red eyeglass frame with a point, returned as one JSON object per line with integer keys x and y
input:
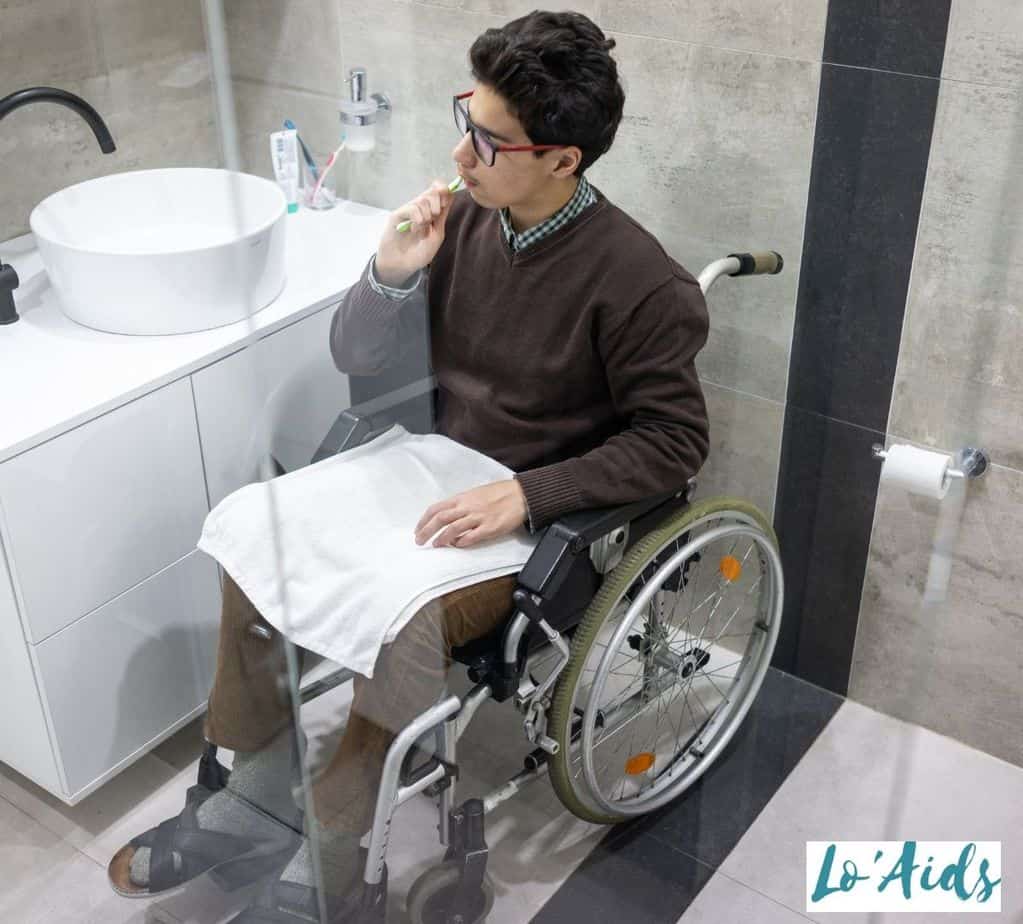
{"x": 498, "y": 148}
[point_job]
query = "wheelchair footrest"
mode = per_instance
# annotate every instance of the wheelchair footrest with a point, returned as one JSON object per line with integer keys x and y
{"x": 419, "y": 764}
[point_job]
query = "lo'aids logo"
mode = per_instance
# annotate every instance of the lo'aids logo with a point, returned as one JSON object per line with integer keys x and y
{"x": 932, "y": 876}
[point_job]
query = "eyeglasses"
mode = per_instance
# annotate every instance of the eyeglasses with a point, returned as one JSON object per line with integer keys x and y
{"x": 485, "y": 146}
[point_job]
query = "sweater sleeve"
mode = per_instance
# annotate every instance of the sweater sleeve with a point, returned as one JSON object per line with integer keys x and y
{"x": 649, "y": 357}
{"x": 374, "y": 327}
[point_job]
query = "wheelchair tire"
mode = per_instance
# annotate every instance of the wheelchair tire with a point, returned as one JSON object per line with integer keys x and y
{"x": 430, "y": 895}
{"x": 626, "y": 619}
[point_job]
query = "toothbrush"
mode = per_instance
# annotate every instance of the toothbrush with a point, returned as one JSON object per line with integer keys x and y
{"x": 305, "y": 151}
{"x": 326, "y": 170}
{"x": 454, "y": 186}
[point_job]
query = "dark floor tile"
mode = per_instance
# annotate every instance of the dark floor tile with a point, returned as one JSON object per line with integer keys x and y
{"x": 894, "y": 35}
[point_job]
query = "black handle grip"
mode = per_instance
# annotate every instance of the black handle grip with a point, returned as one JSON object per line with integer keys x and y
{"x": 754, "y": 264}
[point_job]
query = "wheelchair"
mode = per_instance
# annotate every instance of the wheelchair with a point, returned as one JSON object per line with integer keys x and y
{"x": 640, "y": 637}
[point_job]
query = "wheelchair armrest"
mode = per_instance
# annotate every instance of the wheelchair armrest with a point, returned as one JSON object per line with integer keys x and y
{"x": 551, "y": 559}
{"x": 584, "y": 527}
{"x": 361, "y": 421}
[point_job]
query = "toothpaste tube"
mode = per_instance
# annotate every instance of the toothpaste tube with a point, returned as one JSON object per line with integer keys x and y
{"x": 284, "y": 155}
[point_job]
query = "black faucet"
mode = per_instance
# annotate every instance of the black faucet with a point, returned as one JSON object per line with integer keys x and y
{"x": 8, "y": 277}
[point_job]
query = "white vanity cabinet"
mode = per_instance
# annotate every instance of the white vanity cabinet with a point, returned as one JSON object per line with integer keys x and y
{"x": 102, "y": 507}
{"x": 108, "y": 614}
{"x": 282, "y": 392}
{"x": 117, "y": 680}
{"x": 97, "y": 527}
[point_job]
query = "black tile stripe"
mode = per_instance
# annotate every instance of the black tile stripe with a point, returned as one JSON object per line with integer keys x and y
{"x": 890, "y": 35}
{"x": 871, "y": 148}
{"x": 825, "y": 509}
{"x": 871, "y": 145}
{"x": 869, "y": 163}
{"x": 870, "y": 160}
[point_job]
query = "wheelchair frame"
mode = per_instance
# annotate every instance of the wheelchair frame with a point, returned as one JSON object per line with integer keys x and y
{"x": 603, "y": 533}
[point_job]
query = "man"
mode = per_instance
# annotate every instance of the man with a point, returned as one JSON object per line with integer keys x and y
{"x": 563, "y": 340}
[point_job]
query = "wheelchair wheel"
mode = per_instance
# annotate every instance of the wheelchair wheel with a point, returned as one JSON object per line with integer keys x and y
{"x": 429, "y": 899}
{"x": 666, "y": 661}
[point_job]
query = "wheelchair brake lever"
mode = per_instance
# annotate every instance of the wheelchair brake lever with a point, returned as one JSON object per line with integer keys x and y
{"x": 536, "y": 728}
{"x": 533, "y": 698}
{"x": 526, "y": 602}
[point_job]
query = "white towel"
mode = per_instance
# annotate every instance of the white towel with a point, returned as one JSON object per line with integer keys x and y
{"x": 327, "y": 553}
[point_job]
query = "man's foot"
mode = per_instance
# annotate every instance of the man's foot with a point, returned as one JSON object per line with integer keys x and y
{"x": 216, "y": 833}
{"x": 294, "y": 898}
{"x": 238, "y": 833}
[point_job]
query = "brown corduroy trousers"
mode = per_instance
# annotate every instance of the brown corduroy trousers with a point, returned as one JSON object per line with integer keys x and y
{"x": 247, "y": 708}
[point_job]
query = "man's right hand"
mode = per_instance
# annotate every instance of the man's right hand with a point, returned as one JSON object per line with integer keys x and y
{"x": 400, "y": 254}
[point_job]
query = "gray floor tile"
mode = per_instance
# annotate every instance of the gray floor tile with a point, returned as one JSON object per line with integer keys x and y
{"x": 46, "y": 879}
{"x": 725, "y": 901}
{"x": 871, "y": 777}
{"x": 183, "y": 747}
{"x": 83, "y": 823}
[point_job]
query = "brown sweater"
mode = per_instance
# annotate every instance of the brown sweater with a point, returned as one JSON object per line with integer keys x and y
{"x": 570, "y": 362}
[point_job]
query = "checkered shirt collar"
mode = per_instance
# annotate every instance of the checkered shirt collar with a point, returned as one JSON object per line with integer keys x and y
{"x": 581, "y": 199}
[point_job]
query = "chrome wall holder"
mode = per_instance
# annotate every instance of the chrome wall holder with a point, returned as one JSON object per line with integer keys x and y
{"x": 357, "y": 82}
{"x": 968, "y": 462}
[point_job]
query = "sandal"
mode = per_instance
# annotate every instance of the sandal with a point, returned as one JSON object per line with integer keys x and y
{"x": 231, "y": 860}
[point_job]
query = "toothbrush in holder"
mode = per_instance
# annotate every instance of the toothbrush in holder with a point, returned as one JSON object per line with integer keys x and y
{"x": 406, "y": 225}
{"x": 326, "y": 170}
{"x": 310, "y": 163}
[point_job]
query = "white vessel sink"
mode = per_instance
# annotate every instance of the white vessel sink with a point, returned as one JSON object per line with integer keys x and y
{"x": 163, "y": 251}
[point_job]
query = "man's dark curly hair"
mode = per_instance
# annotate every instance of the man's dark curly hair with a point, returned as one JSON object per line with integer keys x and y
{"x": 557, "y": 77}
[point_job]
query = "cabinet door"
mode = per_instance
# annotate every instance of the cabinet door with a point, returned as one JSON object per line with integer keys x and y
{"x": 283, "y": 392}
{"x": 116, "y": 680}
{"x": 24, "y": 740}
{"x": 94, "y": 511}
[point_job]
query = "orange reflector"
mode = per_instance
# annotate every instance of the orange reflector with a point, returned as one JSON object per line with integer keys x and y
{"x": 730, "y": 568}
{"x": 639, "y": 763}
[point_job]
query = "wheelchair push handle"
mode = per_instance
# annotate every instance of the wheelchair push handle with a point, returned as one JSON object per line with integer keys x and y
{"x": 758, "y": 263}
{"x": 764, "y": 262}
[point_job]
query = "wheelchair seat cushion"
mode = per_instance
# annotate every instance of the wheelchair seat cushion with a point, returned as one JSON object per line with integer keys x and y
{"x": 327, "y": 553}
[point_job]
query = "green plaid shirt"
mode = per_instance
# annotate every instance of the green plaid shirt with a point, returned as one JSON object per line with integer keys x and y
{"x": 581, "y": 199}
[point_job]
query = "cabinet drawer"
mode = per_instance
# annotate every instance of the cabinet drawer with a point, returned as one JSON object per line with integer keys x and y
{"x": 283, "y": 391}
{"x": 125, "y": 673}
{"x": 94, "y": 511}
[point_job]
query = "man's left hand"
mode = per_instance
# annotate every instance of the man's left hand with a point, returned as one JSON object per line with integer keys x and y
{"x": 473, "y": 516}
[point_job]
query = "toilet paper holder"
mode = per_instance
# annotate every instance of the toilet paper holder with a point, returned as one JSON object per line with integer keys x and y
{"x": 968, "y": 462}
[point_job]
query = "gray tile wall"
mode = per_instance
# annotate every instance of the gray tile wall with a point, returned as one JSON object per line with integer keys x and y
{"x": 957, "y": 668}
{"x": 985, "y": 42}
{"x": 142, "y": 65}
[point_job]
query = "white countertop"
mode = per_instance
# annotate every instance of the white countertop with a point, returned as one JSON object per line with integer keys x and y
{"x": 56, "y": 374}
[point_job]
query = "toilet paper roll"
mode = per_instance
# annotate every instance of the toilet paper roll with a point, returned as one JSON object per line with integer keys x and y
{"x": 919, "y": 471}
